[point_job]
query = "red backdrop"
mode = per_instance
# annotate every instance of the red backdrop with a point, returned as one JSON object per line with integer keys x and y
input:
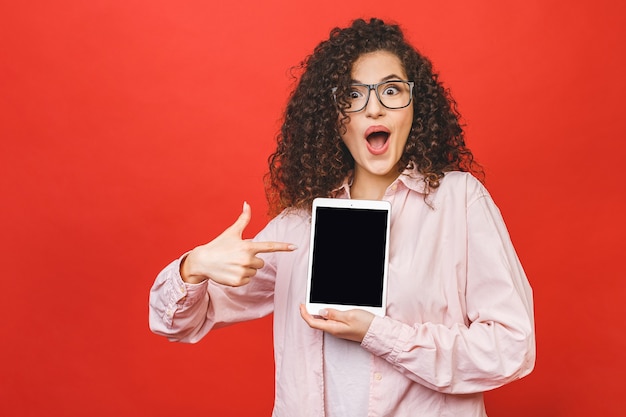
{"x": 132, "y": 130}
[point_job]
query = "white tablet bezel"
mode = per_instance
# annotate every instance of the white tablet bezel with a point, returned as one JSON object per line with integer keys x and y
{"x": 314, "y": 308}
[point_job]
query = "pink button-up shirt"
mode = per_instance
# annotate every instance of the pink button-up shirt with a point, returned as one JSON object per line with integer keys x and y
{"x": 459, "y": 309}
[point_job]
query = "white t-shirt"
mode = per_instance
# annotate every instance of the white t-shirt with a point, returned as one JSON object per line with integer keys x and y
{"x": 346, "y": 376}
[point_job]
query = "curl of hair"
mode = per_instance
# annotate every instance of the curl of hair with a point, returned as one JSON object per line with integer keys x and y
{"x": 311, "y": 159}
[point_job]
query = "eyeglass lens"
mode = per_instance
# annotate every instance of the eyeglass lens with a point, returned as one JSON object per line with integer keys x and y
{"x": 393, "y": 94}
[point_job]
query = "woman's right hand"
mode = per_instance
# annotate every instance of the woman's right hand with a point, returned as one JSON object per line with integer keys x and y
{"x": 228, "y": 259}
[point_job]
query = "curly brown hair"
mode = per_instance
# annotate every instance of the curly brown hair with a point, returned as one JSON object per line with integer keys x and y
{"x": 311, "y": 159}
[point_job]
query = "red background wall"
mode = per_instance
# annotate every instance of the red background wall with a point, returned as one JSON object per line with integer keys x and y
{"x": 132, "y": 130}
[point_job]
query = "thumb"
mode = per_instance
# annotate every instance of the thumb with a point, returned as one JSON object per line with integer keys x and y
{"x": 332, "y": 314}
{"x": 242, "y": 222}
{"x": 324, "y": 313}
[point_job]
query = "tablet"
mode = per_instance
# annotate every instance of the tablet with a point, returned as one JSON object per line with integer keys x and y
{"x": 348, "y": 258}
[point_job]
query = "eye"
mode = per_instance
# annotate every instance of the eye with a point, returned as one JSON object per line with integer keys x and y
{"x": 355, "y": 94}
{"x": 390, "y": 89}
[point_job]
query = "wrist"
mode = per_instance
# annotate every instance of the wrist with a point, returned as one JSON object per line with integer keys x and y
{"x": 186, "y": 272}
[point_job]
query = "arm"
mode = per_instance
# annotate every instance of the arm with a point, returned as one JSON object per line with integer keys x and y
{"x": 225, "y": 281}
{"x": 497, "y": 346}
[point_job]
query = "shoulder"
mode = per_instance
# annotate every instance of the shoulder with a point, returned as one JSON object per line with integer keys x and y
{"x": 463, "y": 182}
{"x": 461, "y": 179}
{"x": 452, "y": 182}
{"x": 457, "y": 189}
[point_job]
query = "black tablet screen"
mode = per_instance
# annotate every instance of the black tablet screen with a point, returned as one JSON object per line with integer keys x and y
{"x": 349, "y": 256}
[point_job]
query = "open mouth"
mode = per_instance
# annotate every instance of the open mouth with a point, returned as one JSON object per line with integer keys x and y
{"x": 377, "y": 140}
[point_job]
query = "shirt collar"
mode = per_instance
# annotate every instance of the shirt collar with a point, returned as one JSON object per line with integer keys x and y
{"x": 410, "y": 178}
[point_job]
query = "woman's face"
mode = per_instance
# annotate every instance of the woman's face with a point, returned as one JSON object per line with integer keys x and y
{"x": 376, "y": 135}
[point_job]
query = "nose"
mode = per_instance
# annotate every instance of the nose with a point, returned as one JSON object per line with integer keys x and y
{"x": 373, "y": 108}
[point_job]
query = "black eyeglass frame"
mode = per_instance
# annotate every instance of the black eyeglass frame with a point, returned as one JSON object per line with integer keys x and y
{"x": 374, "y": 87}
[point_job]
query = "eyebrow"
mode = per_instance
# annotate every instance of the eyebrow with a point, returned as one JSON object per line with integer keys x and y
{"x": 387, "y": 78}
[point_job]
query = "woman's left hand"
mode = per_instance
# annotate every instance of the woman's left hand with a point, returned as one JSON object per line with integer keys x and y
{"x": 349, "y": 325}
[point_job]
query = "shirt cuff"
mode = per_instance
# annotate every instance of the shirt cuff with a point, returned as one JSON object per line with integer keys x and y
{"x": 184, "y": 293}
{"x": 386, "y": 338}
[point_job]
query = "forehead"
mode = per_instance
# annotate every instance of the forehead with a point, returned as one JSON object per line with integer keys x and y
{"x": 374, "y": 66}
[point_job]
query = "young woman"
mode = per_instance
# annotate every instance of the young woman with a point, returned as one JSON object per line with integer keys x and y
{"x": 369, "y": 120}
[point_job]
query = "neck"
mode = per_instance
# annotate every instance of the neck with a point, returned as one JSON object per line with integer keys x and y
{"x": 366, "y": 186}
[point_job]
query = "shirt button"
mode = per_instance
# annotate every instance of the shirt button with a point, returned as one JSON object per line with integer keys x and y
{"x": 378, "y": 376}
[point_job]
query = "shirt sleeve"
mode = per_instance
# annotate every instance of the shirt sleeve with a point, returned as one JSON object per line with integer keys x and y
{"x": 496, "y": 343}
{"x": 177, "y": 309}
{"x": 186, "y": 312}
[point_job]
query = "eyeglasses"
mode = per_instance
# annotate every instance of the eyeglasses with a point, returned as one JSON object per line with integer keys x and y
{"x": 392, "y": 94}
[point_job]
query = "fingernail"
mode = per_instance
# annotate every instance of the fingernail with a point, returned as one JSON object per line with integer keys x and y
{"x": 292, "y": 247}
{"x": 323, "y": 312}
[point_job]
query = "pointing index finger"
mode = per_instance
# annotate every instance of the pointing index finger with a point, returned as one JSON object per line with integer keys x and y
{"x": 262, "y": 247}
